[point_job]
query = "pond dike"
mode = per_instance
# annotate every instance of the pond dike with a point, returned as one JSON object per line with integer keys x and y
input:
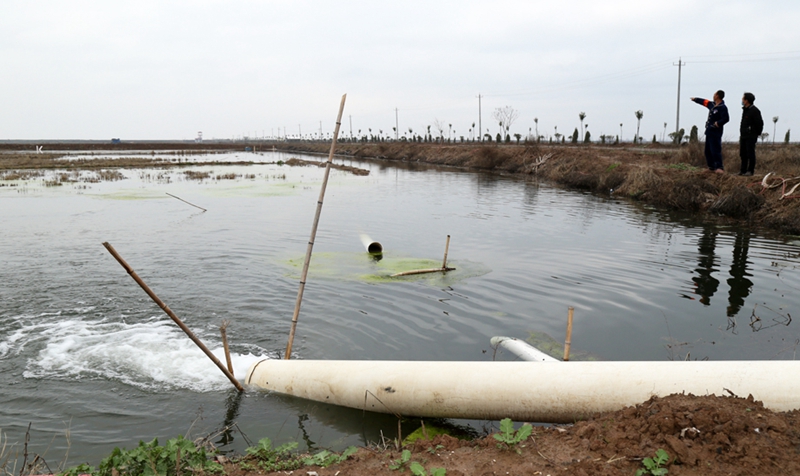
{"x": 664, "y": 176}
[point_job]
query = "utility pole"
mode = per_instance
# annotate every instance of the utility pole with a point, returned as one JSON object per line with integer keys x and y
{"x": 480, "y": 126}
{"x": 396, "y": 126}
{"x": 320, "y": 130}
{"x": 678, "y": 115}
{"x": 299, "y": 132}
{"x": 351, "y": 127}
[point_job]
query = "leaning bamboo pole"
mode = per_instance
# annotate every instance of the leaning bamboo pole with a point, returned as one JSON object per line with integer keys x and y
{"x": 223, "y": 330}
{"x": 172, "y": 315}
{"x": 307, "y": 261}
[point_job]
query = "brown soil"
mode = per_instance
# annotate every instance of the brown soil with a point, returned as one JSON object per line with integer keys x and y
{"x": 702, "y": 435}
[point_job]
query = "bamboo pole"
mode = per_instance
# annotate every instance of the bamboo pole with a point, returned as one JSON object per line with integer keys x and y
{"x": 184, "y": 201}
{"x": 568, "y": 340}
{"x": 446, "y": 247}
{"x": 172, "y": 315}
{"x": 307, "y": 261}
{"x": 421, "y": 271}
{"x": 223, "y": 330}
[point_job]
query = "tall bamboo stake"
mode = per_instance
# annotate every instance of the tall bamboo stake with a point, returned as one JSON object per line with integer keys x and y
{"x": 172, "y": 315}
{"x": 223, "y": 330}
{"x": 568, "y": 340}
{"x": 307, "y": 261}
{"x": 446, "y": 247}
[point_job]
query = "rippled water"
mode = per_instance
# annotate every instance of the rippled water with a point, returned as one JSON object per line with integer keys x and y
{"x": 84, "y": 352}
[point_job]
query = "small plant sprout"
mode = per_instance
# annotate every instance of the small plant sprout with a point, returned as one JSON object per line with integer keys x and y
{"x": 419, "y": 470}
{"x": 326, "y": 458}
{"x": 433, "y": 450}
{"x": 654, "y": 466}
{"x": 401, "y": 462}
{"x": 509, "y": 437}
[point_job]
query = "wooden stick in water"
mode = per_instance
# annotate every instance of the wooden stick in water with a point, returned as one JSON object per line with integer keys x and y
{"x": 223, "y": 329}
{"x": 184, "y": 201}
{"x": 172, "y": 316}
{"x": 568, "y": 341}
{"x": 421, "y": 271}
{"x": 307, "y": 261}
{"x": 443, "y": 269}
{"x": 446, "y": 247}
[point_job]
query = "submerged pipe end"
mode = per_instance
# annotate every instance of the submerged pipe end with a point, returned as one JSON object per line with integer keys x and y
{"x": 373, "y": 247}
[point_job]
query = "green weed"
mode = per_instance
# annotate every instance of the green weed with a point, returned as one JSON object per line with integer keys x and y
{"x": 653, "y": 466}
{"x": 326, "y": 458}
{"x": 149, "y": 459}
{"x": 508, "y": 437}
{"x": 419, "y": 470}
{"x": 433, "y": 450}
{"x": 401, "y": 462}
{"x": 275, "y": 459}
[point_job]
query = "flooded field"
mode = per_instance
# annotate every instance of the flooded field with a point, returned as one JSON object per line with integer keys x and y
{"x": 91, "y": 363}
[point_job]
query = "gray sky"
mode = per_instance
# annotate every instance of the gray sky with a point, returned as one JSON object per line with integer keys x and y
{"x": 167, "y": 69}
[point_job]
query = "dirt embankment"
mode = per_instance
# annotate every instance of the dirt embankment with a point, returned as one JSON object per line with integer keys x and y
{"x": 663, "y": 176}
{"x": 708, "y": 435}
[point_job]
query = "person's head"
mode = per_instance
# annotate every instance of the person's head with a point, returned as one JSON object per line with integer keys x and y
{"x": 719, "y": 96}
{"x": 748, "y": 99}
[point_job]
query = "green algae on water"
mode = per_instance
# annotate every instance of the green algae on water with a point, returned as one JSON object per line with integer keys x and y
{"x": 369, "y": 269}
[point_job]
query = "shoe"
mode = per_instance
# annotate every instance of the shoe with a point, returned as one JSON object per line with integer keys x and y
{"x": 740, "y": 173}
{"x": 719, "y": 171}
{"x": 747, "y": 174}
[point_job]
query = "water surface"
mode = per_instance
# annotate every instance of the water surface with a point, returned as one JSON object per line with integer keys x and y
{"x": 84, "y": 351}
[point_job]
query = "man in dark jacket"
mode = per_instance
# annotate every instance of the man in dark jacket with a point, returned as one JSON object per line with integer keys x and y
{"x": 717, "y": 117}
{"x": 750, "y": 129}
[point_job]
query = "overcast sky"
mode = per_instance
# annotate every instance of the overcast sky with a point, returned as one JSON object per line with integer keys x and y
{"x": 167, "y": 69}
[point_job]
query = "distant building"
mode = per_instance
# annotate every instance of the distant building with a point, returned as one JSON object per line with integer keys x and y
{"x": 199, "y": 137}
{"x": 116, "y": 140}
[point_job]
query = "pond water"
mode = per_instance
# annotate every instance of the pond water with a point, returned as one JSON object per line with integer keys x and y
{"x": 91, "y": 363}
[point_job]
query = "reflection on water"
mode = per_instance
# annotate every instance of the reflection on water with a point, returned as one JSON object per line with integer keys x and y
{"x": 739, "y": 283}
{"x": 706, "y": 284}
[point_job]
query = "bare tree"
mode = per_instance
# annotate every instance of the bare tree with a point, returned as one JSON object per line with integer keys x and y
{"x": 440, "y": 126}
{"x": 505, "y": 116}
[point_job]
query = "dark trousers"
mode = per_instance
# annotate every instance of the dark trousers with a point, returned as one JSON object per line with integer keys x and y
{"x": 714, "y": 151}
{"x": 747, "y": 151}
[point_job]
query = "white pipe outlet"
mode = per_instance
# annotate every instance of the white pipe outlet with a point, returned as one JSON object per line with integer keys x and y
{"x": 522, "y": 349}
{"x": 373, "y": 247}
{"x": 557, "y": 392}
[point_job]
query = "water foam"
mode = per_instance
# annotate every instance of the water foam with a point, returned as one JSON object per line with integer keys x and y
{"x": 151, "y": 354}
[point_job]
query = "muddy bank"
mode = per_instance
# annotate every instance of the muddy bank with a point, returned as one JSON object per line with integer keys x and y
{"x": 699, "y": 435}
{"x": 663, "y": 176}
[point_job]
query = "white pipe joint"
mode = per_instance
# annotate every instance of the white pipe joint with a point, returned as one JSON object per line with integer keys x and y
{"x": 522, "y": 349}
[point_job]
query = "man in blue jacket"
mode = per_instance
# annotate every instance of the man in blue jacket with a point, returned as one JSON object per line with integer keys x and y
{"x": 717, "y": 118}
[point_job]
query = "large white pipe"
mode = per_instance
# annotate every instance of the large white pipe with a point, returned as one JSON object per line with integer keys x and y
{"x": 372, "y": 247}
{"x": 522, "y": 349}
{"x": 557, "y": 392}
